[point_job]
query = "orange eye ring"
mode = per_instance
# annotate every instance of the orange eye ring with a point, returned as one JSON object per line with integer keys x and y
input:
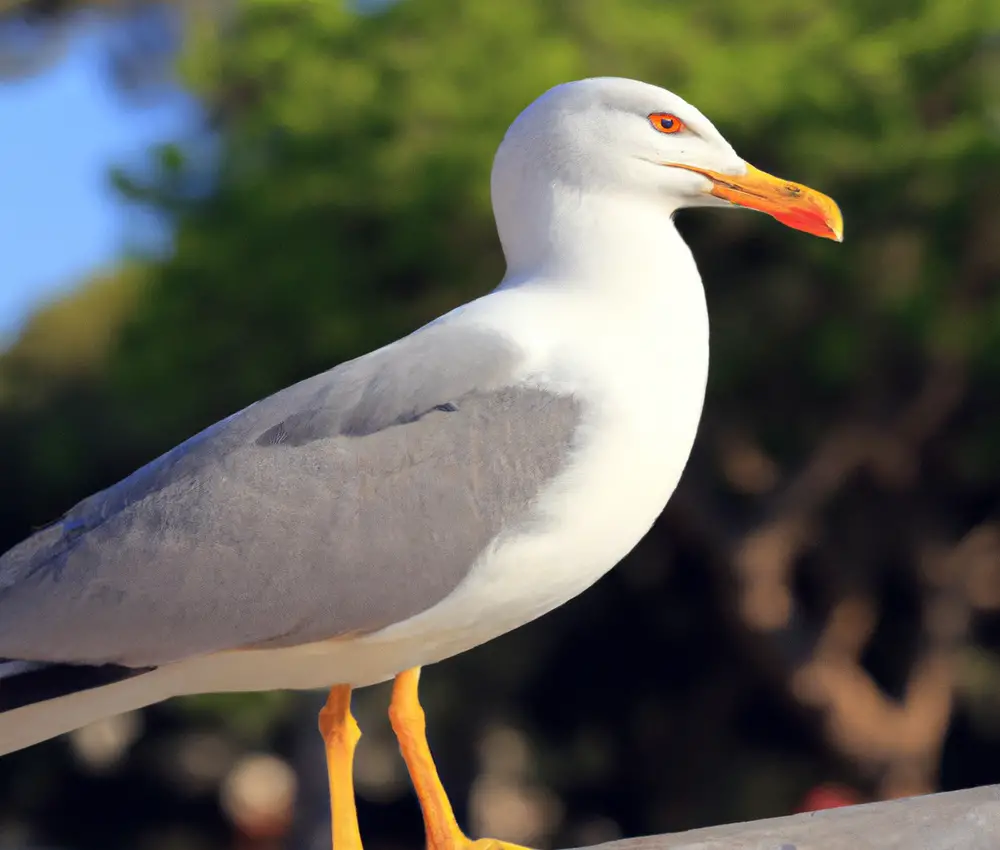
{"x": 666, "y": 122}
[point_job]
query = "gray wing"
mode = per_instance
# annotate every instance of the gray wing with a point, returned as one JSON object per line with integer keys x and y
{"x": 347, "y": 502}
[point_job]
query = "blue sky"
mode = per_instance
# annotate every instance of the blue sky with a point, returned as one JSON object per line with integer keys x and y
{"x": 60, "y": 133}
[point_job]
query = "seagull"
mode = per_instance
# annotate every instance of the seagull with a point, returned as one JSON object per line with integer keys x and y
{"x": 424, "y": 498}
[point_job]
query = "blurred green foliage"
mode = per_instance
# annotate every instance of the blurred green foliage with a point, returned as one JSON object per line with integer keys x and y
{"x": 340, "y": 198}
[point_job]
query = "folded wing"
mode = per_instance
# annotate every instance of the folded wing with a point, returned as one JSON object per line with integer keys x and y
{"x": 350, "y": 501}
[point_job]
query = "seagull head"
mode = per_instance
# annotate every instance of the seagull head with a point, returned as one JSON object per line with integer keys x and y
{"x": 627, "y": 138}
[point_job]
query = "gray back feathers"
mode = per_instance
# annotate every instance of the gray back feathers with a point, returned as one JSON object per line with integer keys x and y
{"x": 350, "y": 501}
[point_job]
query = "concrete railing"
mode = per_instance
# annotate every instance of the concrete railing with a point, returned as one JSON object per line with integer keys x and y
{"x": 958, "y": 820}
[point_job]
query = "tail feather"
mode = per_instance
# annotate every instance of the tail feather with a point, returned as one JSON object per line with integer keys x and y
{"x": 41, "y": 701}
{"x": 23, "y": 683}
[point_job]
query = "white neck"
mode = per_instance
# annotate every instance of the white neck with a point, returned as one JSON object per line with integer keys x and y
{"x": 613, "y": 241}
{"x": 615, "y": 283}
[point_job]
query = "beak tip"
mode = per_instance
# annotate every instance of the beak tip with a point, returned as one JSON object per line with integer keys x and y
{"x": 838, "y": 230}
{"x": 834, "y": 219}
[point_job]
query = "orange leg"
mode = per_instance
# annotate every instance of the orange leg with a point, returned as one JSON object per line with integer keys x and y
{"x": 410, "y": 726}
{"x": 341, "y": 735}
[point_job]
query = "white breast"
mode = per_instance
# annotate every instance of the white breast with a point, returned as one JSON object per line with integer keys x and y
{"x": 642, "y": 370}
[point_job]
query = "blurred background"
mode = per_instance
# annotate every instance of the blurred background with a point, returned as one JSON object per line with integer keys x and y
{"x": 201, "y": 202}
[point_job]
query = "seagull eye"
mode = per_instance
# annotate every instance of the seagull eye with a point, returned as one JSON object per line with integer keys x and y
{"x": 664, "y": 122}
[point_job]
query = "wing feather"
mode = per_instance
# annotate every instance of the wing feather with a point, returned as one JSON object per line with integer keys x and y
{"x": 352, "y": 500}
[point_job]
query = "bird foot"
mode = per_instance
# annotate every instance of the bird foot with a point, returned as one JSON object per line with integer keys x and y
{"x": 341, "y": 734}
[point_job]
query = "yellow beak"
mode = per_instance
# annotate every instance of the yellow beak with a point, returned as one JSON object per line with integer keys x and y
{"x": 797, "y": 206}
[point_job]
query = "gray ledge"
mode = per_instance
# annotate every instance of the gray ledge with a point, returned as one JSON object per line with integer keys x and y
{"x": 958, "y": 820}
